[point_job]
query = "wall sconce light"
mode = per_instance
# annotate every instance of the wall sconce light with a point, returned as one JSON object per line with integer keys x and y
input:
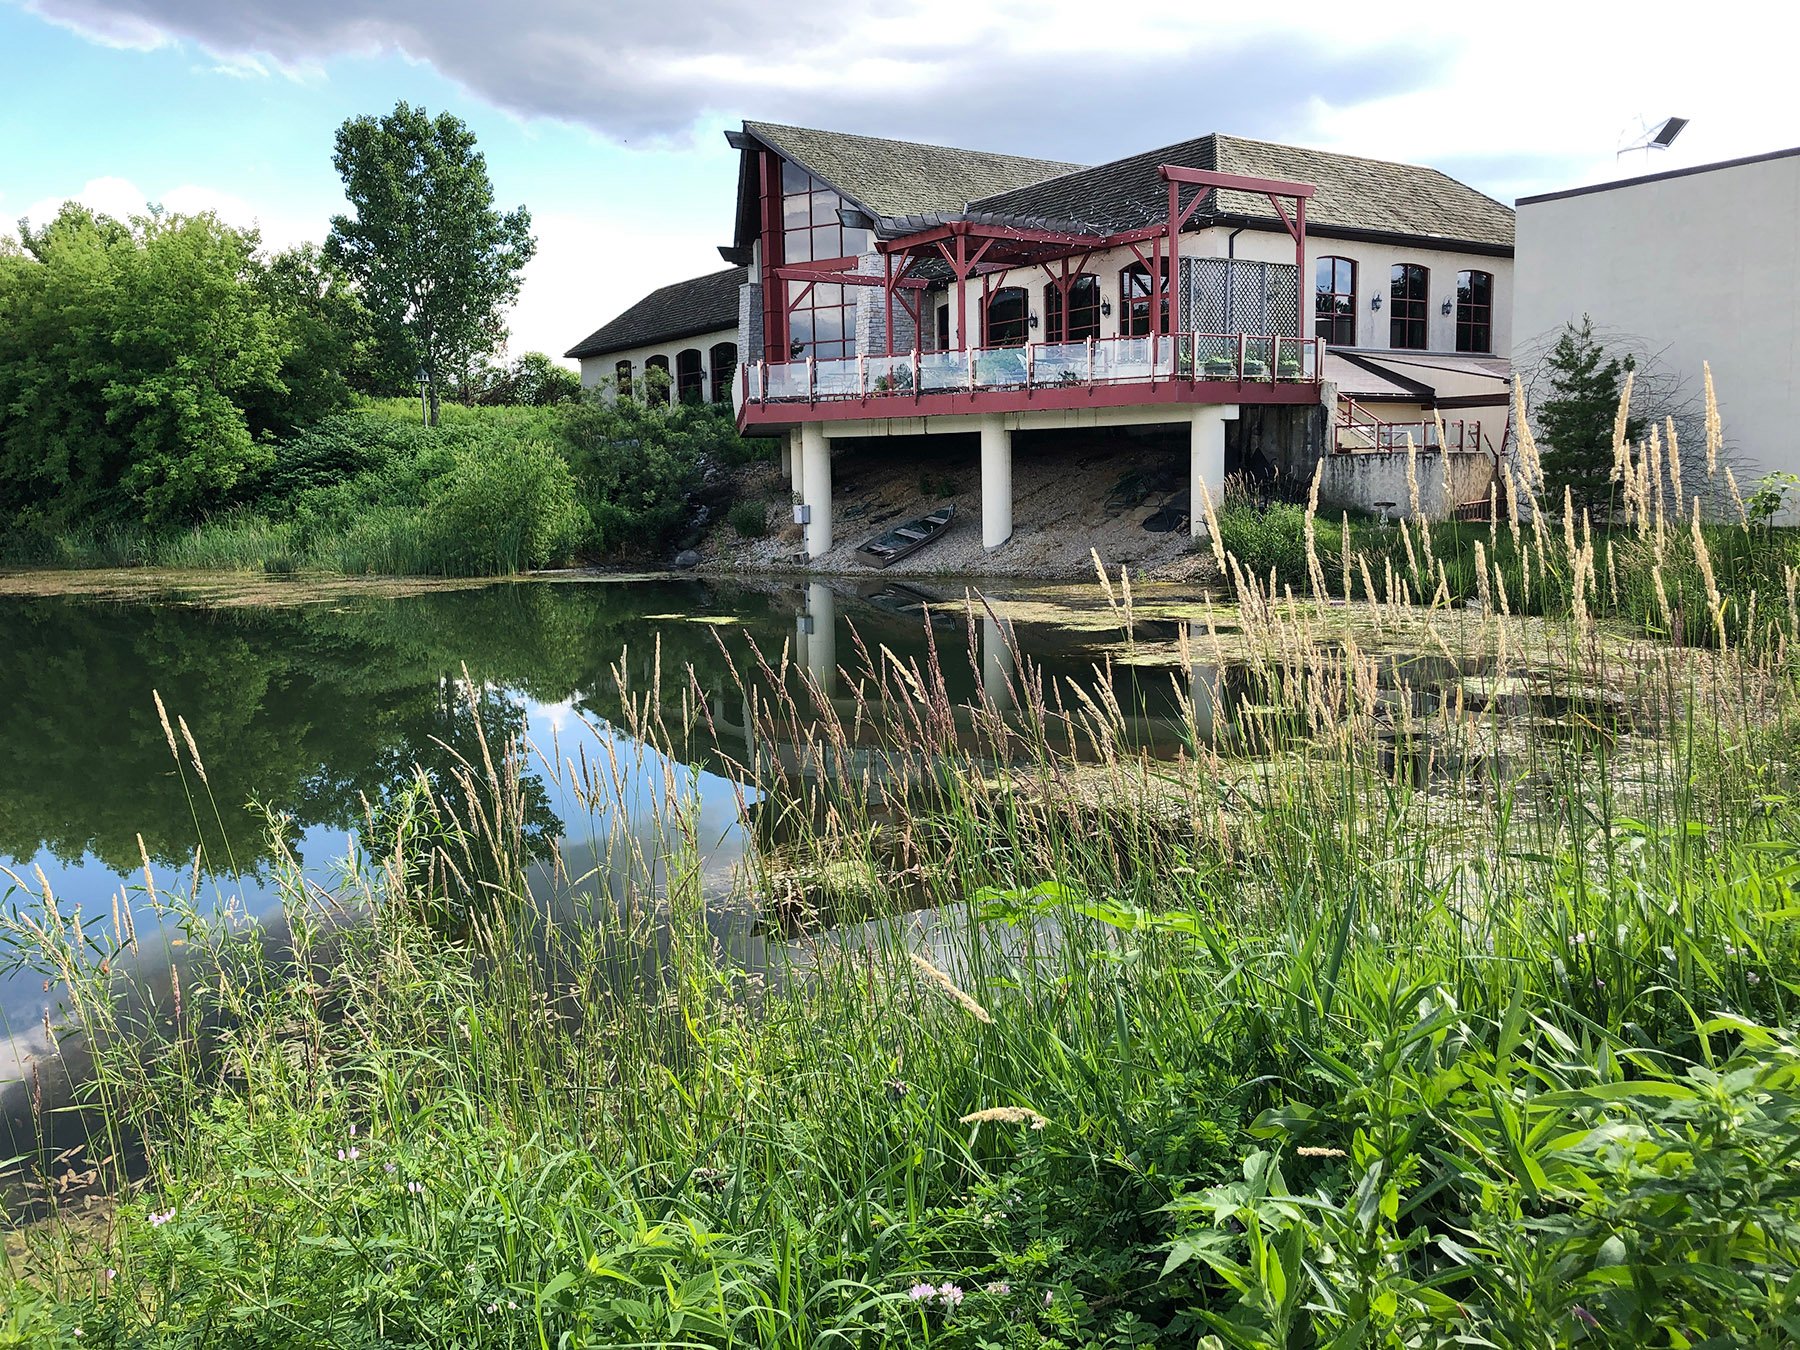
{"x": 1106, "y": 308}
{"x": 1032, "y": 321}
{"x": 1447, "y": 306}
{"x": 1374, "y": 302}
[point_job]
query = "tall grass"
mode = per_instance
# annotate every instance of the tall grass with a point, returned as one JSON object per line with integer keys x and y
{"x": 1438, "y": 991}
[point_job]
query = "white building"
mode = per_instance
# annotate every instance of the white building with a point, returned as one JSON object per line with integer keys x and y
{"x": 687, "y": 330}
{"x": 1271, "y": 303}
{"x": 1701, "y": 265}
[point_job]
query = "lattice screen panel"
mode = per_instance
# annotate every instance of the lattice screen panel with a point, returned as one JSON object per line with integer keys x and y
{"x": 1239, "y": 295}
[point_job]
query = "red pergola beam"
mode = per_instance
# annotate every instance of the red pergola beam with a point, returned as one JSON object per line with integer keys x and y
{"x": 1234, "y": 182}
{"x": 825, "y": 276}
{"x": 1208, "y": 180}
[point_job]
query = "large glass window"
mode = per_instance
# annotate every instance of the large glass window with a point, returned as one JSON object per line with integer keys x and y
{"x": 690, "y": 376}
{"x": 1135, "y": 296}
{"x": 810, "y": 230}
{"x": 656, "y": 379}
{"x": 1474, "y": 311}
{"x": 1409, "y": 297}
{"x": 723, "y": 358}
{"x": 622, "y": 378}
{"x": 1084, "y": 310}
{"x": 821, "y": 320}
{"x": 1334, "y": 301}
{"x": 1008, "y": 317}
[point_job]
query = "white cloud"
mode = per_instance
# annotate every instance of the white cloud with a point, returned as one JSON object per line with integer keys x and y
{"x": 122, "y": 198}
{"x": 1531, "y": 97}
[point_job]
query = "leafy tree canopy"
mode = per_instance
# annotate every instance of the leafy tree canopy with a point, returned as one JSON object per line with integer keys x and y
{"x": 140, "y": 360}
{"x": 430, "y": 255}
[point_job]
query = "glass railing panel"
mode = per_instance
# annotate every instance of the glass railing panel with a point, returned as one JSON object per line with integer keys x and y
{"x": 839, "y": 377}
{"x": 942, "y": 372}
{"x": 787, "y": 380}
{"x": 1059, "y": 363}
{"x": 890, "y": 374}
{"x": 999, "y": 367}
{"x": 1216, "y": 356}
{"x": 1259, "y": 358}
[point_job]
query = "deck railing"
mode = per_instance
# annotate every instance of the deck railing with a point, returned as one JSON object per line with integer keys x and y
{"x": 1231, "y": 358}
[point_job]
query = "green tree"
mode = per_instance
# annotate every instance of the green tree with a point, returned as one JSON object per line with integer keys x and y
{"x": 128, "y": 352}
{"x": 429, "y": 253}
{"x": 331, "y": 342}
{"x": 1577, "y": 417}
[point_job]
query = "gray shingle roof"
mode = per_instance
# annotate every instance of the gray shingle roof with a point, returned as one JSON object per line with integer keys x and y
{"x": 1353, "y": 193}
{"x": 698, "y": 305}
{"x": 902, "y": 178}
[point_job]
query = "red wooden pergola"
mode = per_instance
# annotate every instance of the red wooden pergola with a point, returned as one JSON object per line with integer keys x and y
{"x": 975, "y": 248}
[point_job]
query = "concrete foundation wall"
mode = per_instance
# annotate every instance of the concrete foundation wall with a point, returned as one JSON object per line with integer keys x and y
{"x": 1360, "y": 482}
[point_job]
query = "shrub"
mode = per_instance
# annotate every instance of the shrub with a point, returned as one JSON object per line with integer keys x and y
{"x": 750, "y": 518}
{"x": 504, "y": 507}
{"x": 1265, "y": 538}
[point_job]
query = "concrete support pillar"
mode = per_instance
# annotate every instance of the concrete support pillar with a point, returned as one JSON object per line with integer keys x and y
{"x": 1207, "y": 449}
{"x": 821, "y": 641}
{"x": 791, "y": 462}
{"x": 815, "y": 486}
{"x": 996, "y": 482}
{"x": 998, "y": 662}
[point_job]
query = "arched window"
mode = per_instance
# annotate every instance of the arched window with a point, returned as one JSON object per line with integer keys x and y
{"x": 723, "y": 358}
{"x": 1334, "y": 301}
{"x": 1474, "y": 311}
{"x": 1135, "y": 294}
{"x": 1008, "y": 317}
{"x": 656, "y": 379}
{"x": 622, "y": 378}
{"x": 690, "y": 376}
{"x": 1084, "y": 310}
{"x": 1409, "y": 295}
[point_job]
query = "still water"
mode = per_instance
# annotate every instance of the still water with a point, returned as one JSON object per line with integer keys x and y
{"x": 316, "y": 709}
{"x": 316, "y": 705}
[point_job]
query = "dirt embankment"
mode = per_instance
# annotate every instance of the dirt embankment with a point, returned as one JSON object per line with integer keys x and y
{"x": 1071, "y": 497}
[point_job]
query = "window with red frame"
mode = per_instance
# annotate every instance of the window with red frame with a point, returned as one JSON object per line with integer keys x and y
{"x": 1135, "y": 296}
{"x": 1084, "y": 310}
{"x": 810, "y": 228}
{"x": 1008, "y": 318}
{"x": 723, "y": 359}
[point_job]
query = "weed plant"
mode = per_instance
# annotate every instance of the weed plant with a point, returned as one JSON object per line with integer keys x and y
{"x": 1387, "y": 1013}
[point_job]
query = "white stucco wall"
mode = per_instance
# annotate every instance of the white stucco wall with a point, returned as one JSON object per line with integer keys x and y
{"x": 1699, "y": 266}
{"x": 598, "y": 371}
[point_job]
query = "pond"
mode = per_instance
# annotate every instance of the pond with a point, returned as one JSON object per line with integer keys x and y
{"x": 320, "y": 702}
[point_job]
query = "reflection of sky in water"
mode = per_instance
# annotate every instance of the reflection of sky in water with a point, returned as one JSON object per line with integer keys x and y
{"x": 322, "y": 851}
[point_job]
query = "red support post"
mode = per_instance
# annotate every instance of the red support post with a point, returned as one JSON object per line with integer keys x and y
{"x": 1174, "y": 245}
{"x": 887, "y": 260}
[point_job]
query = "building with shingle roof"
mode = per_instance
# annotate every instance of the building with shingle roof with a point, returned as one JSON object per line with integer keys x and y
{"x": 894, "y": 284}
{"x": 683, "y": 329}
{"x": 1353, "y": 197}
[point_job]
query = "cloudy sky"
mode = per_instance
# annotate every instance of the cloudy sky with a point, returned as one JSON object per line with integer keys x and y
{"x": 605, "y": 118}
